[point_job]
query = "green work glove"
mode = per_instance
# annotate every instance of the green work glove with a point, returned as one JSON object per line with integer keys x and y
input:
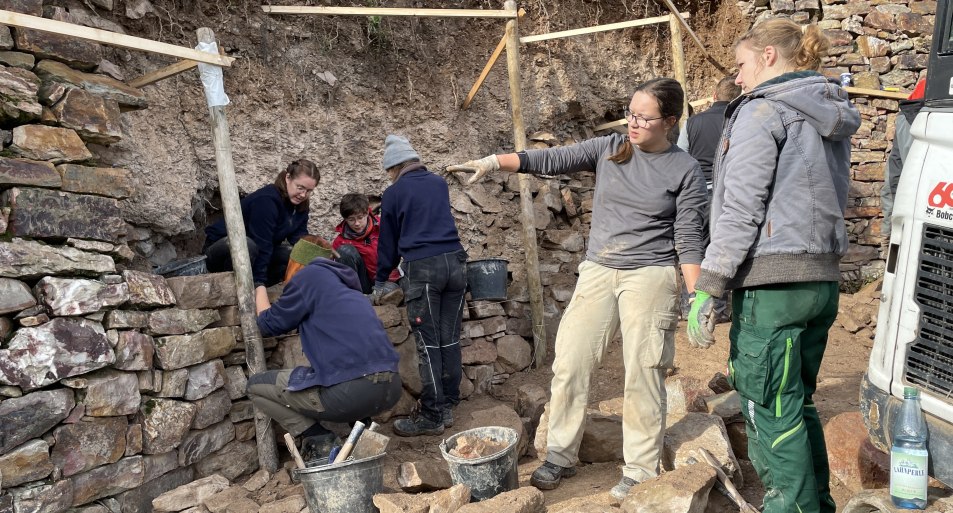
{"x": 701, "y": 321}
{"x": 477, "y": 167}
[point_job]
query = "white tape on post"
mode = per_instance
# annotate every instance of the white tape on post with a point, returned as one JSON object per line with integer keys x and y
{"x": 212, "y": 78}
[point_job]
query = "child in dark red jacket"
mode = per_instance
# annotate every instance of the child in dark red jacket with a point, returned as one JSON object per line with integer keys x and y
{"x": 356, "y": 242}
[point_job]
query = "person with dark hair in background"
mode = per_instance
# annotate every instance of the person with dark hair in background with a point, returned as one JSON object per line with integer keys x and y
{"x": 356, "y": 243}
{"x": 700, "y": 139}
{"x": 275, "y": 217}
{"x": 648, "y": 211}
{"x": 417, "y": 225}
{"x": 782, "y": 175}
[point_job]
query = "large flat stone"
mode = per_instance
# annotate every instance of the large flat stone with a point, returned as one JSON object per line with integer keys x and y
{"x": 155, "y": 465}
{"x": 176, "y": 321}
{"x": 204, "y": 379}
{"x": 522, "y": 500}
{"x": 683, "y": 490}
{"x": 30, "y": 173}
{"x": 686, "y": 432}
{"x": 42, "y": 213}
{"x": 107, "y": 480}
{"x": 234, "y": 460}
{"x": 211, "y": 409}
{"x": 139, "y": 500}
{"x": 164, "y": 424}
{"x": 134, "y": 351}
{"x": 189, "y": 495}
{"x": 444, "y": 501}
{"x": 128, "y": 97}
{"x": 235, "y": 382}
{"x": 17, "y": 59}
{"x": 23, "y": 418}
{"x": 111, "y": 393}
{"x": 94, "y": 118}
{"x": 102, "y": 181}
{"x": 28, "y": 462}
{"x": 514, "y": 352}
{"x": 423, "y": 476}
{"x": 61, "y": 348}
{"x": 31, "y": 259}
{"x": 15, "y": 296}
{"x": 172, "y": 383}
{"x": 52, "y": 498}
{"x": 178, "y": 351}
{"x": 18, "y": 96}
{"x": 77, "y": 53}
{"x": 854, "y": 460}
{"x": 199, "y": 444}
{"x": 41, "y": 142}
{"x": 68, "y": 297}
{"x": 204, "y": 291}
{"x": 88, "y": 444}
{"x": 148, "y": 290}
{"x": 119, "y": 319}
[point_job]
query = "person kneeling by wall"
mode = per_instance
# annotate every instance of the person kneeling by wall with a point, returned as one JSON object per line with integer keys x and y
{"x": 353, "y": 365}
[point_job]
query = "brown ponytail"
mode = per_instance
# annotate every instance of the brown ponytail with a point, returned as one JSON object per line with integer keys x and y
{"x": 802, "y": 47}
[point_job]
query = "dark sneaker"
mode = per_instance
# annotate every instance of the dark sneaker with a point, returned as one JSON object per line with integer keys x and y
{"x": 620, "y": 490}
{"x": 547, "y": 476}
{"x": 448, "y": 417}
{"x": 318, "y": 447}
{"x": 417, "y": 425}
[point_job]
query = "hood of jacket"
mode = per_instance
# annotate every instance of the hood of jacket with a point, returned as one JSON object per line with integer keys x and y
{"x": 822, "y": 104}
{"x": 347, "y": 275}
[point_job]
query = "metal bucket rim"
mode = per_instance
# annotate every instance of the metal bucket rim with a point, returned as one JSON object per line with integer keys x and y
{"x": 477, "y": 461}
{"x": 335, "y": 466}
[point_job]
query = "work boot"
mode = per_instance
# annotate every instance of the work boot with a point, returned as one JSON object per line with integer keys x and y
{"x": 318, "y": 447}
{"x": 620, "y": 490}
{"x": 417, "y": 425}
{"x": 447, "y": 417}
{"x": 547, "y": 476}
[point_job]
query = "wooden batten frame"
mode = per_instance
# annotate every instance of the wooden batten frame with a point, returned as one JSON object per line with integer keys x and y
{"x": 681, "y": 18}
{"x": 105, "y": 37}
{"x": 877, "y": 93}
{"x": 388, "y": 11}
{"x": 486, "y": 69}
{"x": 162, "y": 73}
{"x": 598, "y": 28}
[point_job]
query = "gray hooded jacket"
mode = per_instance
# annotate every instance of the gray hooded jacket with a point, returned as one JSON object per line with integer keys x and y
{"x": 781, "y": 180}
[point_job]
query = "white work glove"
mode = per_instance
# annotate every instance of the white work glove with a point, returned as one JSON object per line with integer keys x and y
{"x": 477, "y": 167}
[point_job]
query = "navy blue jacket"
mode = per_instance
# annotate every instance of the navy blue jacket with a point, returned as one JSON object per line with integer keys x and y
{"x": 270, "y": 219}
{"x": 704, "y": 135}
{"x": 416, "y": 221}
{"x": 341, "y": 335}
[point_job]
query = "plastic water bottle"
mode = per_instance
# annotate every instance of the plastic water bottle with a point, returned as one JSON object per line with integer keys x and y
{"x": 909, "y": 456}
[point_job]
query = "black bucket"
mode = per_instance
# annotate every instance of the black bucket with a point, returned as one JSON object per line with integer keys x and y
{"x": 487, "y": 279}
{"x": 347, "y": 487}
{"x": 185, "y": 267}
{"x": 490, "y": 475}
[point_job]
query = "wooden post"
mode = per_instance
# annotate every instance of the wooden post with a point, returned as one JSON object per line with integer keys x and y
{"x": 694, "y": 36}
{"x": 526, "y": 194}
{"x": 678, "y": 63}
{"x": 254, "y": 352}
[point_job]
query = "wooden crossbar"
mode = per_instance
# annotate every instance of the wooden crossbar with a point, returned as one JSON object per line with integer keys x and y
{"x": 486, "y": 68}
{"x": 877, "y": 93}
{"x": 598, "y": 28}
{"x": 163, "y": 73}
{"x": 109, "y": 38}
{"x": 388, "y": 11}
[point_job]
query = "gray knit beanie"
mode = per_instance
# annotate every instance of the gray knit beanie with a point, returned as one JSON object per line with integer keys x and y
{"x": 397, "y": 149}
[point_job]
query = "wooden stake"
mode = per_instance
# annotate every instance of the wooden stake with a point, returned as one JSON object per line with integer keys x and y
{"x": 486, "y": 69}
{"x": 106, "y": 37}
{"x": 162, "y": 73}
{"x": 597, "y": 28}
{"x": 701, "y": 46}
{"x": 238, "y": 246}
{"x": 387, "y": 11}
{"x": 678, "y": 63}
{"x": 290, "y": 444}
{"x": 526, "y": 194}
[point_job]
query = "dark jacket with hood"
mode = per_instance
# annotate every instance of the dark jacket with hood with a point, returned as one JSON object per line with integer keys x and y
{"x": 341, "y": 335}
{"x": 781, "y": 181}
{"x": 270, "y": 219}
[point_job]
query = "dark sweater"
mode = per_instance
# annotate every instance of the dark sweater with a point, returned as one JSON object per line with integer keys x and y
{"x": 269, "y": 219}
{"x": 416, "y": 221}
{"x": 341, "y": 335}
{"x": 704, "y": 134}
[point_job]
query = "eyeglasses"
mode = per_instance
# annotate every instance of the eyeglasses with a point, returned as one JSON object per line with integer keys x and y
{"x": 356, "y": 219}
{"x": 639, "y": 121}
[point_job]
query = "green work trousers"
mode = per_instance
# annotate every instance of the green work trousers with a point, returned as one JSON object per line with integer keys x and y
{"x": 778, "y": 336}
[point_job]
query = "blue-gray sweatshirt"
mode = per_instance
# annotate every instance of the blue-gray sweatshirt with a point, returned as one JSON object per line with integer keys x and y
{"x": 644, "y": 211}
{"x": 416, "y": 221}
{"x": 341, "y": 335}
{"x": 781, "y": 181}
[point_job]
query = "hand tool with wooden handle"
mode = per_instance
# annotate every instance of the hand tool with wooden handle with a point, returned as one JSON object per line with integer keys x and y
{"x": 290, "y": 442}
{"x": 733, "y": 492}
{"x": 351, "y": 440}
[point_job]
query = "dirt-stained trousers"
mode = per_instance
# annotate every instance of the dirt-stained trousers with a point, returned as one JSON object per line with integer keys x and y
{"x": 643, "y": 303}
{"x": 778, "y": 337}
{"x": 434, "y": 288}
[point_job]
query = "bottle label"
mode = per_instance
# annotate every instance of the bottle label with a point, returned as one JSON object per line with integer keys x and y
{"x": 908, "y": 473}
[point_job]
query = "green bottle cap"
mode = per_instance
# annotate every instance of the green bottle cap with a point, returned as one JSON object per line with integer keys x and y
{"x": 910, "y": 392}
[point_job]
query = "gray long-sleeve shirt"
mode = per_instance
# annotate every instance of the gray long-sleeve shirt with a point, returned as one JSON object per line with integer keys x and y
{"x": 644, "y": 211}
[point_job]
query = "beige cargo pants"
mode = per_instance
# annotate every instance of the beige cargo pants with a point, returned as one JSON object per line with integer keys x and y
{"x": 643, "y": 303}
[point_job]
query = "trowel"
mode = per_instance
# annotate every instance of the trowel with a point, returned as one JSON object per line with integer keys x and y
{"x": 371, "y": 443}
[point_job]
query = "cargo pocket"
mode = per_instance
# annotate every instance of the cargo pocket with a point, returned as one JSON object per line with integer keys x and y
{"x": 658, "y": 351}
{"x": 749, "y": 365}
{"x": 416, "y": 303}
